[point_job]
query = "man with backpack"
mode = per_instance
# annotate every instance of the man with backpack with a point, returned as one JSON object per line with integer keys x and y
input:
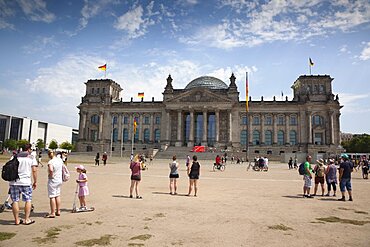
{"x": 319, "y": 176}
{"x": 307, "y": 177}
{"x": 345, "y": 170}
{"x": 23, "y": 186}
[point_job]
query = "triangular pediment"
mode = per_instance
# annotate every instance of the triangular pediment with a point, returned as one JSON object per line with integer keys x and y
{"x": 199, "y": 95}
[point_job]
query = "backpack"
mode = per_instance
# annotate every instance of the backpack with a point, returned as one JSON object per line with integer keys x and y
{"x": 10, "y": 170}
{"x": 65, "y": 173}
{"x": 320, "y": 171}
{"x": 301, "y": 169}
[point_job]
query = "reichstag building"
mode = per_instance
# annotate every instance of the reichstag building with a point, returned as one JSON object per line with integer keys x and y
{"x": 208, "y": 112}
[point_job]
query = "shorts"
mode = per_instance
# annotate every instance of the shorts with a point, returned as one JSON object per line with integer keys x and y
{"x": 83, "y": 191}
{"x": 54, "y": 190}
{"x": 174, "y": 175}
{"x": 193, "y": 176}
{"x": 307, "y": 181}
{"x": 16, "y": 190}
{"x": 345, "y": 183}
{"x": 320, "y": 180}
{"x": 136, "y": 177}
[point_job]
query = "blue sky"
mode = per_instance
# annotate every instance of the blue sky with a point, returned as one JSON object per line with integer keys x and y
{"x": 50, "y": 48}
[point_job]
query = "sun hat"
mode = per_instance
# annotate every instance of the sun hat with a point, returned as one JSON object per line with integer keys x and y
{"x": 331, "y": 160}
{"x": 320, "y": 161}
{"x": 81, "y": 167}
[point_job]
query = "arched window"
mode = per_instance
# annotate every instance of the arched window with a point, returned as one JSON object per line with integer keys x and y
{"x": 293, "y": 120}
{"x": 115, "y": 135}
{"x": 280, "y": 137}
{"x": 268, "y": 120}
{"x": 94, "y": 119}
{"x": 146, "y": 135}
{"x": 125, "y": 119}
{"x": 280, "y": 120}
{"x": 244, "y": 120}
{"x": 256, "y": 120}
{"x": 256, "y": 137}
{"x": 243, "y": 137}
{"x": 317, "y": 120}
{"x": 293, "y": 137}
{"x": 157, "y": 135}
{"x": 114, "y": 120}
{"x": 268, "y": 137}
{"x": 125, "y": 135}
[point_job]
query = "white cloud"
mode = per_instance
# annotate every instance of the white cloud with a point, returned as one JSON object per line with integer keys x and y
{"x": 283, "y": 20}
{"x": 44, "y": 45}
{"x": 136, "y": 21}
{"x": 365, "y": 54}
{"x": 354, "y": 102}
{"x": 36, "y": 10}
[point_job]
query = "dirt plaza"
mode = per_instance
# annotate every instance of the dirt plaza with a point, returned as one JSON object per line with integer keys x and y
{"x": 233, "y": 208}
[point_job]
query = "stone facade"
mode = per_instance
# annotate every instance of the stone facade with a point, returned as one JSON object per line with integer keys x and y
{"x": 309, "y": 123}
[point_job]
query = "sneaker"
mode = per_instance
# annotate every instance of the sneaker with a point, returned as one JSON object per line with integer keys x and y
{"x": 342, "y": 199}
{"x": 350, "y": 199}
{"x": 7, "y": 205}
{"x": 327, "y": 194}
{"x": 309, "y": 196}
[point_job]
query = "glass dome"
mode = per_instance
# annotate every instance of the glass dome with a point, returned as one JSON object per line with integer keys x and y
{"x": 207, "y": 82}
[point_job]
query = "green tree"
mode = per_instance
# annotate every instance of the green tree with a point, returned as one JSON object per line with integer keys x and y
{"x": 53, "y": 145}
{"x": 22, "y": 143}
{"x": 10, "y": 144}
{"x": 40, "y": 144}
{"x": 66, "y": 145}
{"x": 358, "y": 144}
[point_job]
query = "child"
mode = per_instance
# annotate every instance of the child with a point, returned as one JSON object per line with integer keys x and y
{"x": 84, "y": 190}
{"x": 135, "y": 176}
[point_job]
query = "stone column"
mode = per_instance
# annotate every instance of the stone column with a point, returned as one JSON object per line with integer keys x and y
{"x": 168, "y": 126}
{"x": 82, "y": 125}
{"x": 332, "y": 127}
{"x": 217, "y": 118}
{"x": 275, "y": 129}
{"x": 250, "y": 130}
{"x": 191, "y": 132}
{"x": 151, "y": 133}
{"x": 230, "y": 127}
{"x": 204, "y": 138}
{"x": 287, "y": 141}
{"x": 140, "y": 129}
{"x": 101, "y": 117}
{"x": 310, "y": 141}
{"x": 119, "y": 127}
{"x": 179, "y": 129}
{"x": 131, "y": 127}
{"x": 263, "y": 128}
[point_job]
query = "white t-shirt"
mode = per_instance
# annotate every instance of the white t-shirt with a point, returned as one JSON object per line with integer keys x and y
{"x": 57, "y": 164}
{"x": 26, "y": 161}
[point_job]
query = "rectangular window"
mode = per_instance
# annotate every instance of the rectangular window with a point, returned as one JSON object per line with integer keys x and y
{"x": 244, "y": 120}
{"x": 157, "y": 120}
{"x": 268, "y": 120}
{"x": 280, "y": 120}
{"x": 146, "y": 120}
{"x": 318, "y": 139}
{"x": 293, "y": 120}
{"x": 92, "y": 91}
{"x": 103, "y": 90}
{"x": 98, "y": 90}
{"x": 256, "y": 120}
{"x": 125, "y": 120}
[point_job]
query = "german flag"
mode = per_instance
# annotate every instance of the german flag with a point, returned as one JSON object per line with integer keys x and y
{"x": 103, "y": 67}
{"x": 310, "y": 62}
{"x": 140, "y": 95}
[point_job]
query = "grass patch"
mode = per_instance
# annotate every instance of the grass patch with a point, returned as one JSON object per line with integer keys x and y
{"x": 6, "y": 235}
{"x": 103, "y": 240}
{"x": 51, "y": 236}
{"x": 317, "y": 222}
{"x": 360, "y": 212}
{"x": 98, "y": 222}
{"x": 142, "y": 237}
{"x": 147, "y": 219}
{"x": 333, "y": 219}
{"x": 160, "y": 215}
{"x": 177, "y": 243}
{"x": 341, "y": 208}
{"x": 135, "y": 244}
{"x": 146, "y": 228}
{"x": 280, "y": 227}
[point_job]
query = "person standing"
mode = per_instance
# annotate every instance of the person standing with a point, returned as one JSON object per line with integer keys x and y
{"x": 104, "y": 158}
{"x": 97, "y": 157}
{"x": 54, "y": 184}
{"x": 187, "y": 162}
{"x": 174, "y": 175}
{"x": 135, "y": 167}
{"x": 331, "y": 177}
{"x": 24, "y": 186}
{"x": 194, "y": 173}
{"x": 307, "y": 177}
{"x": 290, "y": 163}
{"x": 319, "y": 176}
{"x": 345, "y": 170}
{"x": 83, "y": 190}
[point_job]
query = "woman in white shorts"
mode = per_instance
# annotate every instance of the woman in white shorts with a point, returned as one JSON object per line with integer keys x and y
{"x": 54, "y": 184}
